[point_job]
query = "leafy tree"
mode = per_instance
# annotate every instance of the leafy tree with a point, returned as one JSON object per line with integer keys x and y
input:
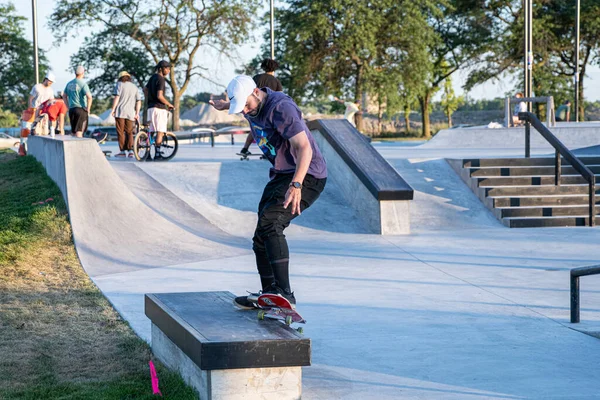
{"x": 106, "y": 55}
{"x": 346, "y": 47}
{"x": 8, "y": 119}
{"x": 450, "y": 102}
{"x": 175, "y": 30}
{"x": 17, "y": 70}
{"x": 463, "y": 34}
{"x": 102, "y": 103}
{"x": 553, "y": 46}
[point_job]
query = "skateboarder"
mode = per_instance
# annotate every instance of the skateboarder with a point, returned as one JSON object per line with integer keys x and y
{"x": 298, "y": 177}
{"x": 267, "y": 79}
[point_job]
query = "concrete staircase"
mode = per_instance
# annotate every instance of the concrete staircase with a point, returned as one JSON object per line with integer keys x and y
{"x": 522, "y": 194}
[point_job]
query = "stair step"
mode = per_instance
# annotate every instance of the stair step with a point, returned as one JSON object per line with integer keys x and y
{"x": 515, "y": 162}
{"x": 495, "y": 181}
{"x": 540, "y": 222}
{"x": 537, "y": 211}
{"x": 518, "y": 201}
{"x": 537, "y": 190}
{"x": 526, "y": 171}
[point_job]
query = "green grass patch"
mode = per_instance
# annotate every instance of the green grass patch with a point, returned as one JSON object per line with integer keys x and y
{"x": 59, "y": 337}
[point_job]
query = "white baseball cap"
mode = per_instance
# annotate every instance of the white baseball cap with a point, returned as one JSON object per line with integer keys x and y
{"x": 238, "y": 91}
{"x": 50, "y": 76}
{"x": 79, "y": 70}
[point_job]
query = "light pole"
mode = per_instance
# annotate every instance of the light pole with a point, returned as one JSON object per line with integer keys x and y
{"x": 577, "y": 61}
{"x": 528, "y": 64}
{"x": 272, "y": 31}
{"x": 35, "y": 44}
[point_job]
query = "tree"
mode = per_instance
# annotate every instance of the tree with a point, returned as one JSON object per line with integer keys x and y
{"x": 463, "y": 34}
{"x": 17, "y": 70}
{"x": 175, "y": 30}
{"x": 104, "y": 56}
{"x": 553, "y": 46}
{"x": 346, "y": 47}
{"x": 8, "y": 119}
{"x": 450, "y": 102}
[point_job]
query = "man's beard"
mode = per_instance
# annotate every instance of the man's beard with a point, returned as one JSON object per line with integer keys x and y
{"x": 258, "y": 109}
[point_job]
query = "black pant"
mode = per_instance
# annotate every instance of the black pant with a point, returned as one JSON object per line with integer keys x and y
{"x": 269, "y": 244}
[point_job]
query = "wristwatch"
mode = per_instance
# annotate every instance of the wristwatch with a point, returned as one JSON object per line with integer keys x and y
{"x": 296, "y": 185}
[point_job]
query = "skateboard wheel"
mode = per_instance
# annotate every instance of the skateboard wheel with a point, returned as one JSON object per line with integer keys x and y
{"x": 300, "y": 330}
{"x": 288, "y": 320}
{"x": 261, "y": 314}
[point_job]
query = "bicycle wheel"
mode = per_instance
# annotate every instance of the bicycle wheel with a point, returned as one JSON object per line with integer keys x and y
{"x": 141, "y": 146}
{"x": 169, "y": 146}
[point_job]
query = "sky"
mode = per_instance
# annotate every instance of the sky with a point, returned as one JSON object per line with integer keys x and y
{"x": 222, "y": 69}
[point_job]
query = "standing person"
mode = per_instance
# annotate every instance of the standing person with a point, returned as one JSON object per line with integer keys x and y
{"x": 266, "y": 79}
{"x": 563, "y": 113}
{"x": 519, "y": 107}
{"x": 78, "y": 98}
{"x": 351, "y": 109}
{"x": 158, "y": 105}
{"x": 56, "y": 109}
{"x": 42, "y": 92}
{"x": 298, "y": 177}
{"x": 126, "y": 110}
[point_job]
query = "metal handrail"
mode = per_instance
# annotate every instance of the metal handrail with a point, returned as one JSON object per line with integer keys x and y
{"x": 562, "y": 150}
{"x": 575, "y": 274}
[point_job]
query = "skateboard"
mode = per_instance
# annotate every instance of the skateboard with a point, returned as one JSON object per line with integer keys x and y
{"x": 107, "y": 152}
{"x": 277, "y": 307}
{"x": 100, "y": 136}
{"x": 248, "y": 155}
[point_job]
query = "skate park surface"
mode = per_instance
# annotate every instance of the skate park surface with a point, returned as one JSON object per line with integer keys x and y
{"x": 462, "y": 308}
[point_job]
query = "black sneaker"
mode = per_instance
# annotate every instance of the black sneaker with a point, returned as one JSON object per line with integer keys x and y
{"x": 247, "y": 302}
{"x": 289, "y": 295}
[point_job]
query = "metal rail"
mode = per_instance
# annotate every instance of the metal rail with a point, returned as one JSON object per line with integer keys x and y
{"x": 576, "y": 273}
{"x": 562, "y": 150}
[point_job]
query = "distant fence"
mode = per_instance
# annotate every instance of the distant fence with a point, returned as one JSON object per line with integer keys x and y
{"x": 14, "y": 132}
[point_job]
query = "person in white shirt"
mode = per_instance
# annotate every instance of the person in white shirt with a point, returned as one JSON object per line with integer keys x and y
{"x": 351, "y": 109}
{"x": 42, "y": 92}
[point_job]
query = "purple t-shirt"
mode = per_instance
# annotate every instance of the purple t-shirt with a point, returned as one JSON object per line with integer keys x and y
{"x": 278, "y": 121}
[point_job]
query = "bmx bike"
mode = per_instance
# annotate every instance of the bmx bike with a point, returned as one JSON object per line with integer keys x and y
{"x": 144, "y": 147}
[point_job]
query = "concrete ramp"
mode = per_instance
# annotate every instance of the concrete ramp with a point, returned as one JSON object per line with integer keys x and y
{"x": 113, "y": 230}
{"x": 573, "y": 135}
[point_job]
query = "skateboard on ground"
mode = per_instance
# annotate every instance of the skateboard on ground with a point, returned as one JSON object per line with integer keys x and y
{"x": 247, "y": 156}
{"x": 278, "y": 307}
{"x": 107, "y": 152}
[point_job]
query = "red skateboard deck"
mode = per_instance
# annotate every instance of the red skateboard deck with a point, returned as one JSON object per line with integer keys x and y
{"x": 278, "y": 307}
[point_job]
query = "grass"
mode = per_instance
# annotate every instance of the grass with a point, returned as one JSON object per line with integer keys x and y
{"x": 59, "y": 337}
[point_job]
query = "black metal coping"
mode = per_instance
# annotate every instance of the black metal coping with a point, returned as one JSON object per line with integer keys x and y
{"x": 208, "y": 328}
{"x": 380, "y": 178}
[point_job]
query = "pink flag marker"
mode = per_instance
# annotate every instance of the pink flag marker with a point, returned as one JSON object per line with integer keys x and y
{"x": 154, "y": 378}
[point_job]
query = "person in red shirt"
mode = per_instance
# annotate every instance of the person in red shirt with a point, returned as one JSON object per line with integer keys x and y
{"x": 56, "y": 110}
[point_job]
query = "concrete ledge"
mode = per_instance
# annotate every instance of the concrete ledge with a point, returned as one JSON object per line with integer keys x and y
{"x": 223, "y": 352}
{"x": 250, "y": 383}
{"x": 367, "y": 181}
{"x": 52, "y": 155}
{"x": 572, "y": 135}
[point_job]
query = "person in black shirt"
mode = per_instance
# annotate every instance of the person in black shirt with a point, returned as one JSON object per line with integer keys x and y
{"x": 266, "y": 79}
{"x": 158, "y": 105}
